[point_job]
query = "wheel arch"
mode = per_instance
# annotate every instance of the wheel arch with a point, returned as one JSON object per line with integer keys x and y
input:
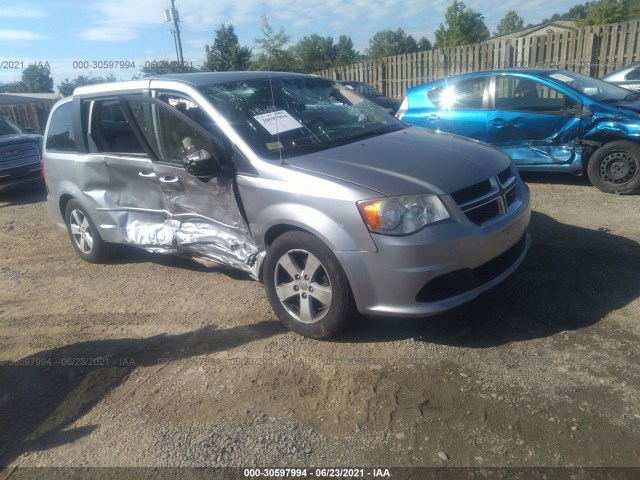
{"x": 65, "y": 198}
{"x": 273, "y": 233}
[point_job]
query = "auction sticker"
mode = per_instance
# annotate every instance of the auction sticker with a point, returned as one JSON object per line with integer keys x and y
{"x": 278, "y": 122}
{"x": 561, "y": 77}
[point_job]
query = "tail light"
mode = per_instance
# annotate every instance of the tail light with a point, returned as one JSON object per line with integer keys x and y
{"x": 42, "y": 168}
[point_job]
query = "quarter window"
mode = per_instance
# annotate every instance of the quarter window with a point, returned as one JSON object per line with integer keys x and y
{"x": 60, "y": 135}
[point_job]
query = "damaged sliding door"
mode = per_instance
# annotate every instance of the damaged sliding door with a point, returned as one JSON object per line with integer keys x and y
{"x": 118, "y": 174}
{"x": 204, "y": 216}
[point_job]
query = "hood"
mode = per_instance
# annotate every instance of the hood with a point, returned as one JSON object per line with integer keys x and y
{"x": 18, "y": 138}
{"x": 386, "y": 102}
{"x": 410, "y": 161}
{"x": 633, "y": 106}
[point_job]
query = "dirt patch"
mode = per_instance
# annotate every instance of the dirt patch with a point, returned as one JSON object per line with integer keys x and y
{"x": 156, "y": 361}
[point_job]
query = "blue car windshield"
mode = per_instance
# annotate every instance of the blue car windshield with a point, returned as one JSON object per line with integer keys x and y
{"x": 289, "y": 116}
{"x": 594, "y": 88}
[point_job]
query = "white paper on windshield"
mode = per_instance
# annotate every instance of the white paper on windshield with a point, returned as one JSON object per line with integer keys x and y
{"x": 278, "y": 122}
{"x": 561, "y": 77}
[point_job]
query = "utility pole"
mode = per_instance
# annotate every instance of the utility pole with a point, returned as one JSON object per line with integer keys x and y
{"x": 171, "y": 15}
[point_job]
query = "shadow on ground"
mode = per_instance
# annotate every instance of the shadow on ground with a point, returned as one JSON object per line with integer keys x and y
{"x": 571, "y": 279}
{"x": 41, "y": 395}
{"x": 28, "y": 194}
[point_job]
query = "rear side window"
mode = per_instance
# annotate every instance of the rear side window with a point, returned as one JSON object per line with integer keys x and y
{"x": 60, "y": 135}
{"x": 467, "y": 94}
{"x": 109, "y": 131}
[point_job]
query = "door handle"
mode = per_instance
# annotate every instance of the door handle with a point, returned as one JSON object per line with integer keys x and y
{"x": 147, "y": 174}
{"x": 498, "y": 123}
{"x": 433, "y": 116}
{"x": 169, "y": 179}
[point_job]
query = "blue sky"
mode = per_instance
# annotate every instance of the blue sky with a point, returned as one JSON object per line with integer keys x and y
{"x": 68, "y": 31}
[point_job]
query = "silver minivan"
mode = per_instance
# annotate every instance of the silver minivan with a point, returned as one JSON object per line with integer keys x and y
{"x": 332, "y": 203}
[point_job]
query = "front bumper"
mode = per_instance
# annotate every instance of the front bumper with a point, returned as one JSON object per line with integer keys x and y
{"x": 438, "y": 268}
{"x": 23, "y": 175}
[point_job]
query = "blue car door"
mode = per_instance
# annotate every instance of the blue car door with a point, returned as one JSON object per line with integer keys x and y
{"x": 533, "y": 123}
{"x": 461, "y": 108}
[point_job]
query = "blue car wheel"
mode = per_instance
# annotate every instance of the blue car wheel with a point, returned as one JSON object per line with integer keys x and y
{"x": 615, "y": 167}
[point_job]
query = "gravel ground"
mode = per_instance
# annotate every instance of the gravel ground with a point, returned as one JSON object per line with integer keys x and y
{"x": 156, "y": 361}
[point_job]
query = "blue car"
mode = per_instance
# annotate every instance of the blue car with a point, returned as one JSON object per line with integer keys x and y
{"x": 544, "y": 119}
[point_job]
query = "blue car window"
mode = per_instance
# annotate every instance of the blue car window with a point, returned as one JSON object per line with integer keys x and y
{"x": 465, "y": 94}
{"x": 524, "y": 94}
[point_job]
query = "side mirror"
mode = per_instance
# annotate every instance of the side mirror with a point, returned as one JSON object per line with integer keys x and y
{"x": 201, "y": 164}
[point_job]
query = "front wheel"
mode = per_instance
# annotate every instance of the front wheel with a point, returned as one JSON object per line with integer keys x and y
{"x": 83, "y": 233}
{"x": 306, "y": 286}
{"x": 615, "y": 167}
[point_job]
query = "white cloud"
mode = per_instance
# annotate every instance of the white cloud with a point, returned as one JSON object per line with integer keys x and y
{"x": 7, "y": 10}
{"x": 19, "y": 35}
{"x": 109, "y": 34}
{"x": 125, "y": 20}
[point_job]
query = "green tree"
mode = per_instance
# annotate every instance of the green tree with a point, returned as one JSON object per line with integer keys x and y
{"x": 389, "y": 42}
{"x": 313, "y": 53}
{"x": 162, "y": 67}
{"x": 424, "y": 44}
{"x": 606, "y": 11}
{"x": 66, "y": 87}
{"x": 226, "y": 54}
{"x": 13, "y": 87}
{"x": 463, "y": 26}
{"x": 345, "y": 53}
{"x": 511, "y": 22}
{"x": 274, "y": 56}
{"x": 37, "y": 79}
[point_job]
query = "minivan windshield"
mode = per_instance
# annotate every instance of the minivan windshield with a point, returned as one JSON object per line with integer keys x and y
{"x": 596, "y": 89}
{"x": 284, "y": 117}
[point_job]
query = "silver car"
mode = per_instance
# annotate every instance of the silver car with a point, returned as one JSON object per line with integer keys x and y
{"x": 315, "y": 191}
{"x": 627, "y": 77}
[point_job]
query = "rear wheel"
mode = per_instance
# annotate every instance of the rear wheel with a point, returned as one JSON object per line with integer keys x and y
{"x": 306, "y": 285}
{"x": 615, "y": 167}
{"x": 83, "y": 233}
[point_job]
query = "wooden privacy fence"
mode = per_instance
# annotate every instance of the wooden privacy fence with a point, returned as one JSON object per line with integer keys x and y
{"x": 33, "y": 115}
{"x": 592, "y": 51}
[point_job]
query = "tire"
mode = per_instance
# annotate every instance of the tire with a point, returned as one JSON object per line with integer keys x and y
{"x": 315, "y": 303}
{"x": 615, "y": 167}
{"x": 84, "y": 235}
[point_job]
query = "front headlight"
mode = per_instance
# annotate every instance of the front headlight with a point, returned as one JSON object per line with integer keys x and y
{"x": 402, "y": 215}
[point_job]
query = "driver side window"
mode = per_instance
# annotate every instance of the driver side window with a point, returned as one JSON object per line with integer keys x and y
{"x": 170, "y": 136}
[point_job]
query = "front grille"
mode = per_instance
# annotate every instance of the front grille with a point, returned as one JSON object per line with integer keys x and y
{"x": 484, "y": 212}
{"x": 474, "y": 191}
{"x": 510, "y": 197}
{"x": 505, "y": 175}
{"x": 484, "y": 202}
{"x": 12, "y": 156}
{"x": 461, "y": 281}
